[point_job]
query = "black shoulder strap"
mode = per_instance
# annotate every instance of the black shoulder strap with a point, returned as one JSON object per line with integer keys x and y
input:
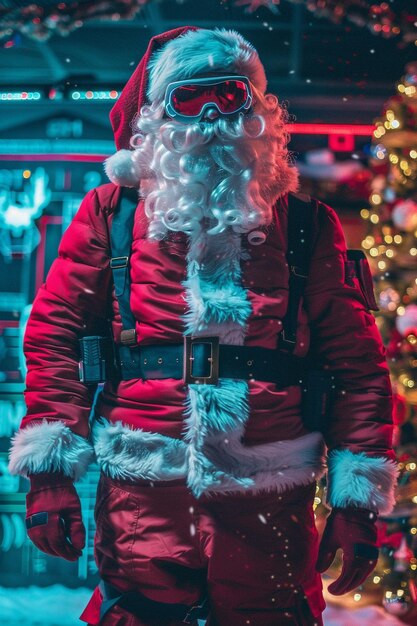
{"x": 301, "y": 211}
{"x": 300, "y": 227}
{"x": 121, "y": 235}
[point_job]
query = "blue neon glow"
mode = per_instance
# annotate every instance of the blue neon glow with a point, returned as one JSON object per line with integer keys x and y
{"x": 20, "y": 95}
{"x": 95, "y": 95}
{"x": 18, "y": 216}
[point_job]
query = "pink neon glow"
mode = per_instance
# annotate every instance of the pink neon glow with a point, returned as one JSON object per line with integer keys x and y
{"x": 331, "y": 129}
{"x": 8, "y": 324}
{"x": 342, "y": 143}
{"x": 363, "y": 130}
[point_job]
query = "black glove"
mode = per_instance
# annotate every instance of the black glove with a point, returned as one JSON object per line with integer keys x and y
{"x": 53, "y": 519}
{"x": 353, "y": 530}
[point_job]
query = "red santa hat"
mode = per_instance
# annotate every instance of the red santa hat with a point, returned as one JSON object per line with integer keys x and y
{"x": 175, "y": 55}
{"x": 198, "y": 51}
{"x": 133, "y": 96}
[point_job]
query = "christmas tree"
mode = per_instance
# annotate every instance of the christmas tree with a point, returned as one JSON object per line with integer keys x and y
{"x": 390, "y": 244}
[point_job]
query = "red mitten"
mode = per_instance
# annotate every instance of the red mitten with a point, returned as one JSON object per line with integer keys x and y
{"x": 53, "y": 516}
{"x": 353, "y": 530}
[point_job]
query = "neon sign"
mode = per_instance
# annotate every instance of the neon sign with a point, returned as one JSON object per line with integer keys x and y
{"x": 18, "y": 210}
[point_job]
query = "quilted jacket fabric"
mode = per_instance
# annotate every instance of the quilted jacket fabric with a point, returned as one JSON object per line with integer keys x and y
{"x": 333, "y": 322}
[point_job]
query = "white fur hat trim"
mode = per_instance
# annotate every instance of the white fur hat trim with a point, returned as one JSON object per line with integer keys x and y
{"x": 201, "y": 51}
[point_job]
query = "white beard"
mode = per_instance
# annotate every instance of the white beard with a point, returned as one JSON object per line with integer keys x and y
{"x": 209, "y": 176}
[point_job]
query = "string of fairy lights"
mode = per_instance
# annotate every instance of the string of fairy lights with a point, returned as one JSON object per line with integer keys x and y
{"x": 391, "y": 242}
{"x": 391, "y": 239}
{"x": 40, "y": 20}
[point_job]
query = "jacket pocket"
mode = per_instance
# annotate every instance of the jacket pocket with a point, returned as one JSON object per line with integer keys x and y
{"x": 358, "y": 274}
{"x": 103, "y": 494}
{"x": 116, "y": 515}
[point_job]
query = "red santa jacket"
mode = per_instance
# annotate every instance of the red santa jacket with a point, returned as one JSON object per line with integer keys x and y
{"x": 242, "y": 435}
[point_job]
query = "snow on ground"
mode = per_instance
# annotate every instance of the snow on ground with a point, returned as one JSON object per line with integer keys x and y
{"x": 368, "y": 615}
{"x": 28, "y": 606}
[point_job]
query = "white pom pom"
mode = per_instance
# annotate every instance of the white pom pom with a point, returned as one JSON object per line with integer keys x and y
{"x": 121, "y": 170}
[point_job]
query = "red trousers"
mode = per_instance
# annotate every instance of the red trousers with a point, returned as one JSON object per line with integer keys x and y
{"x": 254, "y": 555}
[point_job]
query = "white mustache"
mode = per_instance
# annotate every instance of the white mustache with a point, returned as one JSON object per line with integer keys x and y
{"x": 210, "y": 174}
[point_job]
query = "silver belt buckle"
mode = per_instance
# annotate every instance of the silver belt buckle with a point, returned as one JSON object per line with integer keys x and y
{"x": 213, "y": 359}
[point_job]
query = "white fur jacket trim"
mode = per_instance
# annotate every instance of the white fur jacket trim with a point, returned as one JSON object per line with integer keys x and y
{"x": 125, "y": 453}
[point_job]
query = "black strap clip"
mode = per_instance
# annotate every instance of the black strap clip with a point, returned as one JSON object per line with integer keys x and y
{"x": 119, "y": 266}
{"x": 297, "y": 271}
{"x": 198, "y": 611}
{"x": 37, "y": 519}
{"x": 119, "y": 262}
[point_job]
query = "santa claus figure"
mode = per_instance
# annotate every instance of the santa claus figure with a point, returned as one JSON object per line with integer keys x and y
{"x": 208, "y": 466}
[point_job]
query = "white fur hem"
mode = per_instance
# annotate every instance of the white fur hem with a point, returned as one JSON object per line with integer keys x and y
{"x": 275, "y": 466}
{"x": 361, "y": 480}
{"x": 49, "y": 447}
{"x": 126, "y": 453}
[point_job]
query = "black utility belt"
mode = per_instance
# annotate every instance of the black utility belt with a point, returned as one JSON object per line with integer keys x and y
{"x": 203, "y": 360}
{"x": 199, "y": 360}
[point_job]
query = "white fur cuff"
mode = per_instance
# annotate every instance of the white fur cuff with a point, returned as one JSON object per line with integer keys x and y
{"x": 361, "y": 480}
{"x": 50, "y": 447}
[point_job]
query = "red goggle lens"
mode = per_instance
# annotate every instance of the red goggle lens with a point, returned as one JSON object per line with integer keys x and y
{"x": 229, "y": 96}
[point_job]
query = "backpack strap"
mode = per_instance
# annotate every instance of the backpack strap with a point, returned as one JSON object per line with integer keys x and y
{"x": 301, "y": 213}
{"x": 300, "y": 226}
{"x": 121, "y": 235}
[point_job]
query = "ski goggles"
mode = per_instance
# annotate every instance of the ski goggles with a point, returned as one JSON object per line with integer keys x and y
{"x": 186, "y": 100}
